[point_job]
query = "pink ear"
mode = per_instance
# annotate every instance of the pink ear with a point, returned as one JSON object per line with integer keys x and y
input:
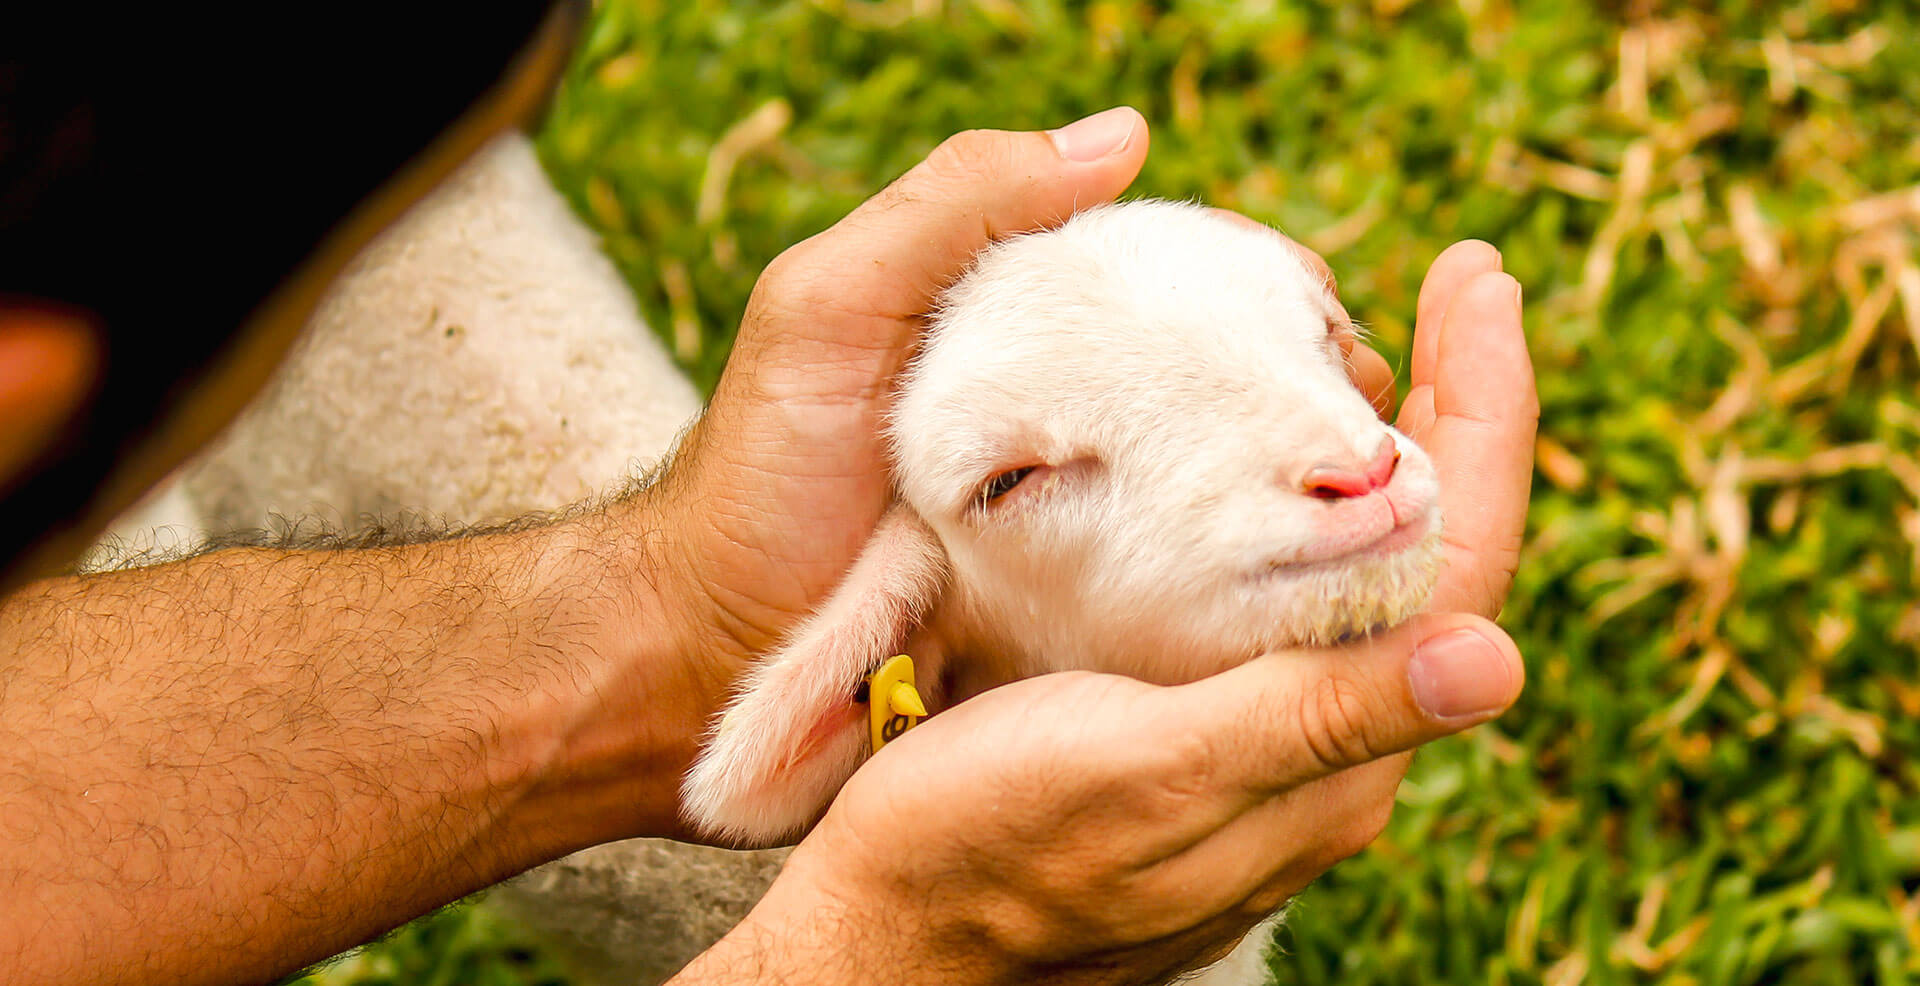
{"x": 795, "y": 732}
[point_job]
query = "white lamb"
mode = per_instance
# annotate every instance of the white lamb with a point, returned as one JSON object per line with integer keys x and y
{"x": 1129, "y": 445}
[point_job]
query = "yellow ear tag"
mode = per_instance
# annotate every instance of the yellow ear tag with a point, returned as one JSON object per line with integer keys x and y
{"x": 893, "y": 704}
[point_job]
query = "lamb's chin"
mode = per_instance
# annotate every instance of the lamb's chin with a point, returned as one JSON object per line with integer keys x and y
{"x": 1333, "y": 604}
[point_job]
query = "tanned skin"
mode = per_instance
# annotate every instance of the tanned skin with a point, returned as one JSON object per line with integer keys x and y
{"x": 219, "y": 762}
{"x": 221, "y": 769}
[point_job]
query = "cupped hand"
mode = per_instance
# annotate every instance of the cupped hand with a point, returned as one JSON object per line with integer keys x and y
{"x": 1087, "y": 828}
{"x": 1473, "y": 406}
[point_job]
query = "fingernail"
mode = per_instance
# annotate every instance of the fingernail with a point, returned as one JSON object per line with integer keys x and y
{"x": 1518, "y": 295}
{"x": 1457, "y": 674}
{"x": 1103, "y": 134}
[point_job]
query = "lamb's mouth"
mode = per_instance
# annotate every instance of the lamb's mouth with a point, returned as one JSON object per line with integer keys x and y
{"x": 1400, "y": 538}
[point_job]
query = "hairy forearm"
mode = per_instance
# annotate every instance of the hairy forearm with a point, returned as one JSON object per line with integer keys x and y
{"x": 272, "y": 755}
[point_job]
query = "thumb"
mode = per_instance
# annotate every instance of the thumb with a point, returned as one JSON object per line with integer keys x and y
{"x": 1297, "y": 716}
{"x": 865, "y": 281}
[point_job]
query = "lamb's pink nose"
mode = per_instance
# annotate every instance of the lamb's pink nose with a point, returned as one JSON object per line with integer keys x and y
{"x": 1328, "y": 481}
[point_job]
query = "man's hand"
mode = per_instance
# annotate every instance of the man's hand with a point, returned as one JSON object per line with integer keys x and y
{"x": 1088, "y": 828}
{"x": 1091, "y": 828}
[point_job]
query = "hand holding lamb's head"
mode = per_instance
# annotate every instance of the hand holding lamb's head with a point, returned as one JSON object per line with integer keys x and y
{"x": 1129, "y": 444}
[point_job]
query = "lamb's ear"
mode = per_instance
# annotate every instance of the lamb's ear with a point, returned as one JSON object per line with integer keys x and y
{"x": 797, "y": 730}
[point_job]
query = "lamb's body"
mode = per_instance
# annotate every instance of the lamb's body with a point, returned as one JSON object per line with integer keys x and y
{"x": 1126, "y": 445}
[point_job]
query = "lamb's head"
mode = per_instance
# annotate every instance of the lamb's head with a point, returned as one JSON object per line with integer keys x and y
{"x": 1136, "y": 439}
{"x": 1129, "y": 444}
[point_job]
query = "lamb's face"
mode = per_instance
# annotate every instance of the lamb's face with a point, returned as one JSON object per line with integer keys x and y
{"x": 1205, "y": 483}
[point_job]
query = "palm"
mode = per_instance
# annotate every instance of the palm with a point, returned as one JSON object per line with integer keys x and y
{"x": 790, "y": 509}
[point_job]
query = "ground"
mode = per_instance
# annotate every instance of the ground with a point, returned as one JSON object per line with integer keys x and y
{"x": 1714, "y": 776}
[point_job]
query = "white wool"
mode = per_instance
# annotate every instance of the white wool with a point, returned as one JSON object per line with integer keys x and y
{"x": 479, "y": 360}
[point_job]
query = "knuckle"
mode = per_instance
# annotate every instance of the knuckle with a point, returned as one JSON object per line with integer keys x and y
{"x": 804, "y": 280}
{"x": 971, "y": 154}
{"x": 1336, "y": 723}
{"x": 1365, "y": 827}
{"x": 783, "y": 275}
{"x": 1157, "y": 781}
{"x": 1266, "y": 902}
{"x": 1339, "y": 846}
{"x": 1022, "y": 928}
{"x": 1343, "y": 842}
{"x": 1357, "y": 812}
{"x": 1186, "y": 774}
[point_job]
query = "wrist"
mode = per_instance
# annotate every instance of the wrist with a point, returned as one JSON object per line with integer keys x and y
{"x": 626, "y": 693}
{"x": 836, "y": 924}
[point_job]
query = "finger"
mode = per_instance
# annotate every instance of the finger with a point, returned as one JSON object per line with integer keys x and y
{"x": 877, "y": 270}
{"x": 1416, "y": 414}
{"x": 1288, "y": 718}
{"x": 1455, "y": 266}
{"x": 1260, "y": 859}
{"x": 1480, "y": 412}
{"x": 1373, "y": 376}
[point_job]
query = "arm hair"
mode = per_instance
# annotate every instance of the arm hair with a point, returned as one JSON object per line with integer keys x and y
{"x": 220, "y": 768}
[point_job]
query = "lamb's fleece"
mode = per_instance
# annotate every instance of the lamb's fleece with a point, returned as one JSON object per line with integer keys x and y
{"x": 478, "y": 361}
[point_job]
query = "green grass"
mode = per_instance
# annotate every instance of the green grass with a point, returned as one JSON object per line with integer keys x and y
{"x": 462, "y": 945}
{"x": 1714, "y": 776}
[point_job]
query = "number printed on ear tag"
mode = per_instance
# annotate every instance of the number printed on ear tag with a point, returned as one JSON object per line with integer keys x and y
{"x": 893, "y": 703}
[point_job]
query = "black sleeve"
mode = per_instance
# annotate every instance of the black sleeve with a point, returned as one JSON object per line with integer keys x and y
{"x": 163, "y": 167}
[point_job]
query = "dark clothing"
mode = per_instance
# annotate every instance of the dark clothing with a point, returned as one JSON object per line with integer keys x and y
{"x": 162, "y": 168}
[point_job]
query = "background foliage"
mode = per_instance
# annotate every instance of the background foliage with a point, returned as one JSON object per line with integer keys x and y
{"x": 1714, "y": 776}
